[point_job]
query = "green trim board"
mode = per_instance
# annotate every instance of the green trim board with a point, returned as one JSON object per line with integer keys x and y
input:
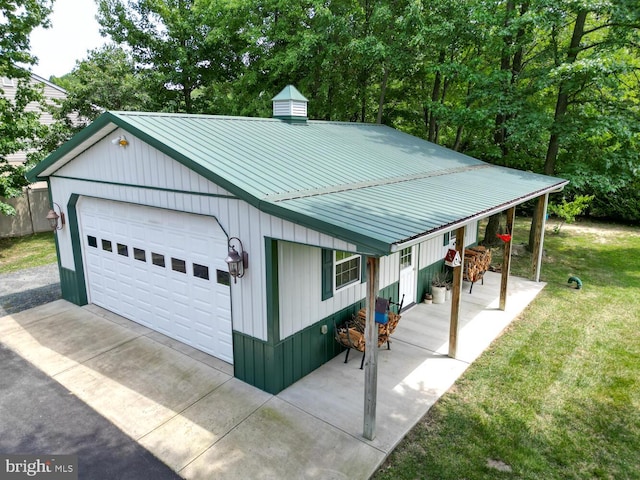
{"x": 273, "y": 367}
{"x": 133, "y": 185}
{"x": 75, "y": 285}
{"x": 272, "y": 293}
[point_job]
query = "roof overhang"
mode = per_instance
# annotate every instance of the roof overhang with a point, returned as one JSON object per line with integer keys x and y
{"x": 479, "y": 216}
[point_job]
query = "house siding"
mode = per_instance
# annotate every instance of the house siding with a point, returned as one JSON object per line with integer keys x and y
{"x": 300, "y": 287}
{"x": 50, "y": 92}
{"x": 274, "y": 366}
{"x": 158, "y": 181}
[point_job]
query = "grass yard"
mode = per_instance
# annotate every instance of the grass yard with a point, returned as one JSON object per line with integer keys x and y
{"x": 558, "y": 395}
{"x": 26, "y": 252}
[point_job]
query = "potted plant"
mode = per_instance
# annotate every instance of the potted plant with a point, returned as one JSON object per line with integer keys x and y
{"x": 439, "y": 287}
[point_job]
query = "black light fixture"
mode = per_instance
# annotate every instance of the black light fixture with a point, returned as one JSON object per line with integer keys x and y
{"x": 56, "y": 220}
{"x": 238, "y": 261}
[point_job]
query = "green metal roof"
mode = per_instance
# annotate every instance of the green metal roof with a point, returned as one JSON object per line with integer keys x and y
{"x": 367, "y": 184}
{"x": 290, "y": 93}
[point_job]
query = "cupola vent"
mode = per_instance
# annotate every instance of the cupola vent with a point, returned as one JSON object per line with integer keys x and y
{"x": 290, "y": 105}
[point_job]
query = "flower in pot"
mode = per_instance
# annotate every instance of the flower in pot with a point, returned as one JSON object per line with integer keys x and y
{"x": 439, "y": 287}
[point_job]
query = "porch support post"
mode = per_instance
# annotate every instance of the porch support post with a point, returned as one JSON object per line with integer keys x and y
{"x": 506, "y": 259}
{"x": 456, "y": 294}
{"x": 371, "y": 350}
{"x": 538, "y": 241}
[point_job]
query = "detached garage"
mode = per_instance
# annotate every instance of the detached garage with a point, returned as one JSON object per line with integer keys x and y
{"x": 152, "y": 208}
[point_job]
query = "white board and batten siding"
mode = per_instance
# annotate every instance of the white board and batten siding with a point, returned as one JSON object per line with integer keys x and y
{"x": 300, "y": 287}
{"x": 175, "y": 187}
{"x": 300, "y": 290}
{"x": 433, "y": 249}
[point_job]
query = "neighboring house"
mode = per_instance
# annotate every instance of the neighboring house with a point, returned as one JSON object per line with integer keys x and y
{"x": 33, "y": 206}
{"x": 153, "y": 201}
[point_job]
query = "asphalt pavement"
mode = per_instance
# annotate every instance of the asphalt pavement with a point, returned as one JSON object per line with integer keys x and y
{"x": 28, "y": 288}
{"x": 39, "y": 416}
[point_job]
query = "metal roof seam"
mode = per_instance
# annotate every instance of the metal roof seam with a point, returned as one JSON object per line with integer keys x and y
{"x": 372, "y": 183}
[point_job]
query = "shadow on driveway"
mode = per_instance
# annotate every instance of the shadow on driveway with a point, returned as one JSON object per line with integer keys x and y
{"x": 40, "y": 416}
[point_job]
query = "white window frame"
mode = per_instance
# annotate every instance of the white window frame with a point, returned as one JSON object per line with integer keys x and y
{"x": 7, "y": 82}
{"x": 406, "y": 253}
{"x": 348, "y": 259}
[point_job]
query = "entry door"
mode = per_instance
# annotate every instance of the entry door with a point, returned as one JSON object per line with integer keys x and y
{"x": 408, "y": 275}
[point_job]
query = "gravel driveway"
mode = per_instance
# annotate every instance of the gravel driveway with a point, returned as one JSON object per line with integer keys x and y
{"x": 28, "y": 288}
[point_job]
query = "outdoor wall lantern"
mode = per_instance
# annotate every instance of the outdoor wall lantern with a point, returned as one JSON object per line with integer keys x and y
{"x": 120, "y": 141}
{"x": 56, "y": 221}
{"x": 238, "y": 261}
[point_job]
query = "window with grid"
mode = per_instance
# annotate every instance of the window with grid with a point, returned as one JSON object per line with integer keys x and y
{"x": 347, "y": 268}
{"x": 405, "y": 257}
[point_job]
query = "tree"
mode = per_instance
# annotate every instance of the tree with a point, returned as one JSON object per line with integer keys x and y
{"x": 175, "y": 49}
{"x": 105, "y": 80}
{"x": 18, "y": 127}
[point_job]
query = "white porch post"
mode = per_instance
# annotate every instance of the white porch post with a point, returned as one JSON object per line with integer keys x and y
{"x": 371, "y": 350}
{"x": 456, "y": 294}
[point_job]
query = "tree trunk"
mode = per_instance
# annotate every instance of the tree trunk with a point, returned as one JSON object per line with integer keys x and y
{"x": 493, "y": 227}
{"x": 562, "y": 102}
{"x": 562, "y": 105}
{"x": 383, "y": 90}
{"x": 435, "y": 95}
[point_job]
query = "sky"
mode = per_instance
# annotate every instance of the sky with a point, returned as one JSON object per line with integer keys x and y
{"x": 73, "y": 31}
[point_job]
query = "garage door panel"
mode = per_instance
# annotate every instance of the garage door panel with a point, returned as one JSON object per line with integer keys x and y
{"x": 179, "y": 298}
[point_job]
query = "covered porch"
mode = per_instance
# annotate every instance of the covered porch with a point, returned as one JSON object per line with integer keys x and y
{"x": 417, "y": 370}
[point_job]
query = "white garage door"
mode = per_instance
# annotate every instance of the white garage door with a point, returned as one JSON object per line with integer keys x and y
{"x": 160, "y": 268}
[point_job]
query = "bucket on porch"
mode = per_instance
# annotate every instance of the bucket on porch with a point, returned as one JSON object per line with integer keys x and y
{"x": 438, "y": 294}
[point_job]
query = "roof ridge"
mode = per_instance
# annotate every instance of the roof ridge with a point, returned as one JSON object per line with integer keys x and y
{"x": 210, "y": 116}
{"x": 280, "y": 197}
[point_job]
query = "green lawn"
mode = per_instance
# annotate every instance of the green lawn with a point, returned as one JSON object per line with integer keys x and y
{"x": 558, "y": 395}
{"x": 25, "y": 252}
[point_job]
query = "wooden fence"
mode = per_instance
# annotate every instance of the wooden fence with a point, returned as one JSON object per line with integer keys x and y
{"x": 31, "y": 212}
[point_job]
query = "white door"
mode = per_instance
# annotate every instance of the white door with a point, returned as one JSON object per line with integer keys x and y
{"x": 408, "y": 275}
{"x": 160, "y": 268}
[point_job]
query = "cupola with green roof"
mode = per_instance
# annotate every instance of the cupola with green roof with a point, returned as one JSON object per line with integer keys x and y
{"x": 290, "y": 105}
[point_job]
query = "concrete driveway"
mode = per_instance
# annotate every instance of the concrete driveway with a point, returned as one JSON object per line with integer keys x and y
{"x": 187, "y": 409}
